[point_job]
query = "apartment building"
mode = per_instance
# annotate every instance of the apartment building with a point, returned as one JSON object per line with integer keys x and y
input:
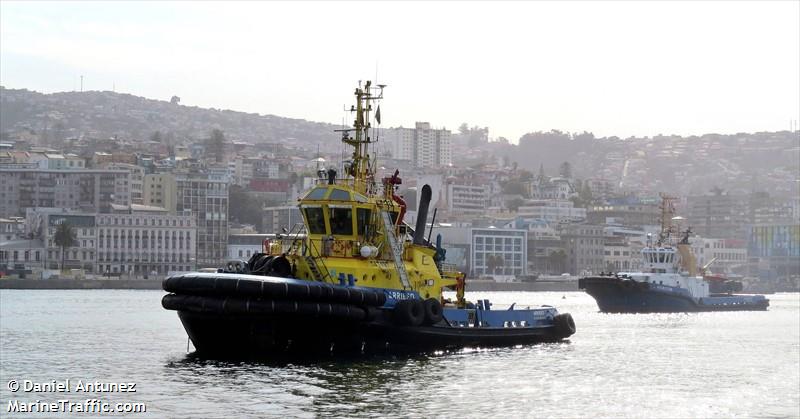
{"x": 585, "y": 248}
{"x": 85, "y": 190}
{"x": 422, "y": 145}
{"x": 207, "y": 201}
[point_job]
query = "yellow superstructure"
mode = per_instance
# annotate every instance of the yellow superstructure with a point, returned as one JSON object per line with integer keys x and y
{"x": 353, "y": 230}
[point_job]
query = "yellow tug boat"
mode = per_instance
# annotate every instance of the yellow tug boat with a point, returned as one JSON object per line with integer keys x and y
{"x": 352, "y": 278}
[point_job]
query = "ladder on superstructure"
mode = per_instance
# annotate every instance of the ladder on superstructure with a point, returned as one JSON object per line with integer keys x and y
{"x": 311, "y": 260}
{"x": 397, "y": 250}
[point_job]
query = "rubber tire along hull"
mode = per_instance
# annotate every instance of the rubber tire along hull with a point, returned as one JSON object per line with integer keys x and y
{"x": 617, "y": 295}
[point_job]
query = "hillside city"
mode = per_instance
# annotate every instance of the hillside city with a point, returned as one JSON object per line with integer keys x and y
{"x": 153, "y": 187}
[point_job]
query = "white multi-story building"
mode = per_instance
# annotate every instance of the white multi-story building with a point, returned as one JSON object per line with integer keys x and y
{"x": 242, "y": 170}
{"x": 498, "y": 252}
{"x": 136, "y": 180}
{"x": 11, "y": 228}
{"x": 462, "y": 199}
{"x": 622, "y": 256}
{"x": 552, "y": 210}
{"x": 140, "y": 242}
{"x": 726, "y": 254}
{"x": 147, "y": 243}
{"x": 402, "y": 143}
{"x": 243, "y": 246}
{"x": 423, "y": 146}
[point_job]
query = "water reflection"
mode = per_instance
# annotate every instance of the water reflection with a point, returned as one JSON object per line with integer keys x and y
{"x": 349, "y": 386}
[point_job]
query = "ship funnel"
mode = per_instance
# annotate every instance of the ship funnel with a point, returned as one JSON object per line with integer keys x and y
{"x": 422, "y": 215}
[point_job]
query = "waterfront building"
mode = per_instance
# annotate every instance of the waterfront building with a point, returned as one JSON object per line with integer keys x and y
{"x": 11, "y": 228}
{"x": 201, "y": 197}
{"x": 775, "y": 247}
{"x": 622, "y": 256}
{"x": 42, "y": 223}
{"x": 145, "y": 242}
{"x": 498, "y": 252}
{"x": 728, "y": 255}
{"x": 21, "y": 256}
{"x": 243, "y": 246}
{"x": 135, "y": 241}
{"x": 546, "y": 253}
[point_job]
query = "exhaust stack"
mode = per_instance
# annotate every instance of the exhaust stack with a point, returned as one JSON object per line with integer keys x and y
{"x": 422, "y": 215}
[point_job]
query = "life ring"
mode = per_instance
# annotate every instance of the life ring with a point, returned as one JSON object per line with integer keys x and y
{"x": 433, "y": 311}
{"x": 409, "y": 312}
{"x": 564, "y": 325}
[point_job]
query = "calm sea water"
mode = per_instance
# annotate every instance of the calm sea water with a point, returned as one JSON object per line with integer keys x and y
{"x": 744, "y": 364}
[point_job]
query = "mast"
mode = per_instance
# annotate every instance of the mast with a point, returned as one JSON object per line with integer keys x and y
{"x": 667, "y": 211}
{"x": 360, "y": 169}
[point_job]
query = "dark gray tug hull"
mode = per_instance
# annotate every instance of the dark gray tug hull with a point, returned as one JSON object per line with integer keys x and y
{"x": 619, "y": 295}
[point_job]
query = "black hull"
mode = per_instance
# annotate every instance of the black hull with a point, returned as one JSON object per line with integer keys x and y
{"x": 241, "y": 316}
{"x": 618, "y": 295}
{"x": 215, "y": 335}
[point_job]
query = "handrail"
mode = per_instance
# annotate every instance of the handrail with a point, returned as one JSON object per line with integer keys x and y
{"x": 312, "y": 249}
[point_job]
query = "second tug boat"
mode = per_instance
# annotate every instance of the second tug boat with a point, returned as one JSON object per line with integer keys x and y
{"x": 669, "y": 282}
{"x": 352, "y": 278}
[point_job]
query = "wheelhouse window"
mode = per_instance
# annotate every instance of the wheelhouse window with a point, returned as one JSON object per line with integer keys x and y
{"x": 315, "y": 220}
{"x": 341, "y": 219}
{"x": 362, "y": 219}
{"x": 339, "y": 195}
{"x": 316, "y": 193}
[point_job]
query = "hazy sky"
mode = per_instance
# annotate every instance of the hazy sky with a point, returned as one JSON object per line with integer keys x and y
{"x": 613, "y": 68}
